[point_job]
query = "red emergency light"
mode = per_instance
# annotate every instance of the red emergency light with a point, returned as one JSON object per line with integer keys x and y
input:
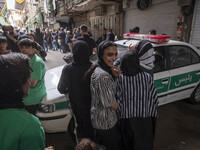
{"x": 152, "y": 38}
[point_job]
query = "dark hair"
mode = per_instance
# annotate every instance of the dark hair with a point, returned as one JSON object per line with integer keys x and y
{"x": 27, "y": 42}
{"x": 153, "y": 32}
{"x": 37, "y": 30}
{"x": 32, "y": 34}
{"x": 3, "y": 39}
{"x": 4, "y": 28}
{"x": 87, "y": 144}
{"x": 84, "y": 28}
{"x": 104, "y": 28}
{"x": 15, "y": 71}
{"x": 23, "y": 37}
{"x": 134, "y": 30}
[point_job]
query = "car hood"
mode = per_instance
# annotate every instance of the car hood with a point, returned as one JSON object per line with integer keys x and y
{"x": 52, "y": 77}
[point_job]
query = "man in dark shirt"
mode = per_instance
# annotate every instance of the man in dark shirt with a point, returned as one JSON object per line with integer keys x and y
{"x": 110, "y": 36}
{"x": 88, "y": 39}
{"x": 12, "y": 39}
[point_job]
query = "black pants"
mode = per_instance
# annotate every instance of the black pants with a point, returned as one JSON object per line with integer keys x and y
{"x": 138, "y": 133}
{"x": 32, "y": 108}
{"x": 84, "y": 126}
{"x": 111, "y": 138}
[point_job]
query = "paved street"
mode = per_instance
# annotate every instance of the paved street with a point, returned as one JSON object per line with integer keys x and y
{"x": 54, "y": 59}
{"x": 178, "y": 126}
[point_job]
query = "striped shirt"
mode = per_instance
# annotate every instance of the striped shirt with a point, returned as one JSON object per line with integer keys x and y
{"x": 103, "y": 90}
{"x": 136, "y": 96}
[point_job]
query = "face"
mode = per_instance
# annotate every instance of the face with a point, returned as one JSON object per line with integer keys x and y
{"x": 10, "y": 30}
{"x": 28, "y": 50}
{"x": 110, "y": 55}
{"x": 26, "y": 86}
{"x": 3, "y": 47}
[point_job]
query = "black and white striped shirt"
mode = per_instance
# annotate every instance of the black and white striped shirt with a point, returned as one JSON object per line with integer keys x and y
{"x": 137, "y": 96}
{"x": 103, "y": 90}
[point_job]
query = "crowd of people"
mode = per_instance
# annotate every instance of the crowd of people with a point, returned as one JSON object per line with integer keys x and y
{"x": 114, "y": 104}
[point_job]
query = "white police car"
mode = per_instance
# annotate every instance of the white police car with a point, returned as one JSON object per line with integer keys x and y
{"x": 177, "y": 67}
{"x": 176, "y": 77}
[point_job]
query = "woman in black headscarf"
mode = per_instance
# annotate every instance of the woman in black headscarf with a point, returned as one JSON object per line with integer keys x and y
{"x": 72, "y": 81}
{"x": 138, "y": 103}
{"x": 103, "y": 90}
{"x": 18, "y": 128}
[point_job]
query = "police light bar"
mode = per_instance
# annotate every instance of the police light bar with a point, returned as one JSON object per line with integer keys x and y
{"x": 152, "y": 38}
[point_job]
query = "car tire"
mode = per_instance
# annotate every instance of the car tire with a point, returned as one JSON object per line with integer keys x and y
{"x": 71, "y": 129}
{"x": 195, "y": 97}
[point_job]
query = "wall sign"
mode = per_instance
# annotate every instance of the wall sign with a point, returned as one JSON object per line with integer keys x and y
{"x": 144, "y": 4}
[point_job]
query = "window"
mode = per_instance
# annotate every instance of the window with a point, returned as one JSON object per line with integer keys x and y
{"x": 160, "y": 61}
{"x": 181, "y": 56}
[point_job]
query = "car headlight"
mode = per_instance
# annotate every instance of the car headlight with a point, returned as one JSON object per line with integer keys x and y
{"x": 47, "y": 108}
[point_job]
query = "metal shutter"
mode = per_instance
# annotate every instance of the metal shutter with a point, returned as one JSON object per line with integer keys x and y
{"x": 162, "y": 16}
{"x": 195, "y": 33}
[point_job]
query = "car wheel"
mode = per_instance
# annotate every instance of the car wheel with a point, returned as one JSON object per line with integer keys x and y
{"x": 71, "y": 129}
{"x": 195, "y": 97}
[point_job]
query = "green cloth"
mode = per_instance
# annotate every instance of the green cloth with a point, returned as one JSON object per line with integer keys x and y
{"x": 20, "y": 130}
{"x": 37, "y": 93}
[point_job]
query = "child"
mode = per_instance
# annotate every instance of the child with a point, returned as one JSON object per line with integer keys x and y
{"x": 138, "y": 103}
{"x": 3, "y": 45}
{"x": 37, "y": 89}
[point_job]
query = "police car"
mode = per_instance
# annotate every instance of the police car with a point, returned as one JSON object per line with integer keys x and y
{"x": 176, "y": 77}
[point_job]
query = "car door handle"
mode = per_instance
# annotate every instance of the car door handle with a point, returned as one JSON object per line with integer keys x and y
{"x": 198, "y": 72}
{"x": 165, "y": 81}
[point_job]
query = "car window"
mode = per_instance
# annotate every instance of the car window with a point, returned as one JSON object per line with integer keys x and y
{"x": 121, "y": 49}
{"x": 181, "y": 56}
{"x": 160, "y": 59}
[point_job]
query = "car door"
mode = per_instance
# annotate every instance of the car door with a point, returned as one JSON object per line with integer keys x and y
{"x": 184, "y": 70}
{"x": 161, "y": 74}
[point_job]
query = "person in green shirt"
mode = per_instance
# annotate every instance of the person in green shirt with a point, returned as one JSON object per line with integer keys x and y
{"x": 19, "y": 130}
{"x": 37, "y": 89}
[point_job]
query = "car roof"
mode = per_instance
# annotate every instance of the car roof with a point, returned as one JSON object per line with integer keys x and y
{"x": 127, "y": 42}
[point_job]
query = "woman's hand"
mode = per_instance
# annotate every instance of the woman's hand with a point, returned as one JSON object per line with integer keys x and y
{"x": 132, "y": 47}
{"x": 49, "y": 148}
{"x": 116, "y": 71}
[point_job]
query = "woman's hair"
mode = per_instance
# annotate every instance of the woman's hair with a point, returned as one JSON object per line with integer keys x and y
{"x": 15, "y": 71}
{"x": 87, "y": 144}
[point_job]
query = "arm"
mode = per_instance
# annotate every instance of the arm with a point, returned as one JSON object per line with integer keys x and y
{"x": 38, "y": 72}
{"x": 64, "y": 81}
{"x": 106, "y": 92}
{"x": 33, "y": 83}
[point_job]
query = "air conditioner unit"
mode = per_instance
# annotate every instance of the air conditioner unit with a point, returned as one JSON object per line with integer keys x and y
{"x": 100, "y": 10}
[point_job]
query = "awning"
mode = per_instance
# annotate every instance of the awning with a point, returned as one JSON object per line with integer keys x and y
{"x": 89, "y": 5}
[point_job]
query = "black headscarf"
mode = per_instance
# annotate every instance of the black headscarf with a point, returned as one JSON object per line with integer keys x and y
{"x": 14, "y": 72}
{"x": 130, "y": 65}
{"x": 102, "y": 46}
{"x": 80, "y": 52}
